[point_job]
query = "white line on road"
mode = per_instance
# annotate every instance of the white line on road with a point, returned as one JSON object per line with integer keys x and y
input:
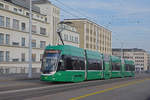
{"x": 45, "y": 87}
{"x": 28, "y": 89}
{"x": 38, "y": 88}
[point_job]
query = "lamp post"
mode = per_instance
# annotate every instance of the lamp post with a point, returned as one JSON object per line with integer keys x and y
{"x": 122, "y": 53}
{"x": 30, "y": 42}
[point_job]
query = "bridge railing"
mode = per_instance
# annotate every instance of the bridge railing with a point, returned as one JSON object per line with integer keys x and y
{"x": 17, "y": 70}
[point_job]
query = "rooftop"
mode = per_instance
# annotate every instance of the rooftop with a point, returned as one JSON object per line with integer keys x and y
{"x": 41, "y": 1}
{"x": 24, "y": 4}
{"x": 85, "y": 19}
{"x": 129, "y": 50}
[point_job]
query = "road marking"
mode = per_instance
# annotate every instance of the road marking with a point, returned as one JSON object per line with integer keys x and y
{"x": 38, "y": 88}
{"x": 29, "y": 89}
{"x": 7, "y": 80}
{"x": 109, "y": 89}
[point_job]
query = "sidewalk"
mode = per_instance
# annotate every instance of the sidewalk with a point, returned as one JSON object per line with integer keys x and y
{"x": 11, "y": 77}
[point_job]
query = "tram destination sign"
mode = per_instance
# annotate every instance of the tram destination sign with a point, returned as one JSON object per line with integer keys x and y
{"x": 52, "y": 51}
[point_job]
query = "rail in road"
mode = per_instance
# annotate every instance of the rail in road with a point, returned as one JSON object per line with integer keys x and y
{"x": 33, "y": 88}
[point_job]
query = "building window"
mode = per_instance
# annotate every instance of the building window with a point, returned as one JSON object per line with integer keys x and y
{"x": 23, "y": 26}
{"x": 1, "y": 5}
{"x": 87, "y": 45}
{"x": 15, "y": 60}
{"x": 37, "y": 16}
{"x": 45, "y": 19}
{"x": 7, "y": 7}
{"x": 16, "y": 24}
{"x": 34, "y": 28}
{"x": 7, "y": 22}
{"x": 76, "y": 40}
{"x": 2, "y": 21}
{"x": 34, "y": 43}
{"x": 65, "y": 37}
{"x": 15, "y": 9}
{"x": 43, "y": 31}
{"x": 1, "y": 38}
{"x": 27, "y": 14}
{"x": 41, "y": 57}
{"x": 23, "y": 57}
{"x": 20, "y": 10}
{"x": 1, "y": 56}
{"x": 7, "y": 56}
{"x": 15, "y": 43}
{"x": 34, "y": 57}
{"x": 42, "y": 44}
{"x": 7, "y": 39}
{"x": 70, "y": 38}
{"x": 23, "y": 42}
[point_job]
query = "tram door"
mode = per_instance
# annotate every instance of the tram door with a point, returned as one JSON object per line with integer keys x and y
{"x": 122, "y": 68}
{"x": 106, "y": 67}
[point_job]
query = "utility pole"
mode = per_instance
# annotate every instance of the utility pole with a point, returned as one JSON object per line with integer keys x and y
{"x": 97, "y": 38}
{"x": 30, "y": 42}
{"x": 122, "y": 55}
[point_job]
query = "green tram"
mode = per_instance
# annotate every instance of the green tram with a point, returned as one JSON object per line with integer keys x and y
{"x": 64, "y": 63}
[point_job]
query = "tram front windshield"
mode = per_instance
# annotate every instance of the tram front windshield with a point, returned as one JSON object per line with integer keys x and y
{"x": 50, "y": 61}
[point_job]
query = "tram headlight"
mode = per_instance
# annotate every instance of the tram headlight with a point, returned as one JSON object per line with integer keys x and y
{"x": 59, "y": 74}
{"x": 54, "y": 78}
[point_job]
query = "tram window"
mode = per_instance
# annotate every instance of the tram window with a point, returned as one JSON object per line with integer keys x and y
{"x": 110, "y": 67}
{"x": 116, "y": 66}
{"x": 68, "y": 63}
{"x": 131, "y": 68}
{"x": 113, "y": 66}
{"x": 78, "y": 63}
{"x": 74, "y": 63}
{"x": 99, "y": 65}
{"x": 127, "y": 67}
{"x": 94, "y": 64}
{"x": 81, "y": 63}
{"x": 91, "y": 65}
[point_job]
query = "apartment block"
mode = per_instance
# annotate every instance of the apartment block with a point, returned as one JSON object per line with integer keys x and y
{"x": 139, "y": 56}
{"x": 93, "y": 36}
{"x": 69, "y": 34}
{"x": 14, "y": 31}
{"x": 148, "y": 60}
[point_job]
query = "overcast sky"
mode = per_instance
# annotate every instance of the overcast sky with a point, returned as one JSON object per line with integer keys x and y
{"x": 129, "y": 20}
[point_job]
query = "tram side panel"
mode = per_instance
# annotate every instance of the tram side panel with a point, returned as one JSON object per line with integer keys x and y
{"x": 116, "y": 67}
{"x": 94, "y": 65}
{"x": 106, "y": 67}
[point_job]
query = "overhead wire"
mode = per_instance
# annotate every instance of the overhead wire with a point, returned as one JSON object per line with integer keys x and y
{"x": 80, "y": 13}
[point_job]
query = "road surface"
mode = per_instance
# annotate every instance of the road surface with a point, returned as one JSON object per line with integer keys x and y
{"x": 115, "y": 89}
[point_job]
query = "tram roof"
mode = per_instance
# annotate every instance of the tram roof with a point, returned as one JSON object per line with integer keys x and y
{"x": 128, "y": 61}
{"x": 68, "y": 50}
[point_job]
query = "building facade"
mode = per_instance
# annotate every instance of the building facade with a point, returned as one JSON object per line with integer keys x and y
{"x": 139, "y": 56}
{"x": 53, "y": 17}
{"x": 69, "y": 34}
{"x": 14, "y": 34}
{"x": 148, "y": 60}
{"x": 93, "y": 36}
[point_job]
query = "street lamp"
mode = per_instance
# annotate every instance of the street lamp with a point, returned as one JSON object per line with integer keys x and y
{"x": 30, "y": 42}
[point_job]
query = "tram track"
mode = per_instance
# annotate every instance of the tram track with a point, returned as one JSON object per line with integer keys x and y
{"x": 52, "y": 88}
